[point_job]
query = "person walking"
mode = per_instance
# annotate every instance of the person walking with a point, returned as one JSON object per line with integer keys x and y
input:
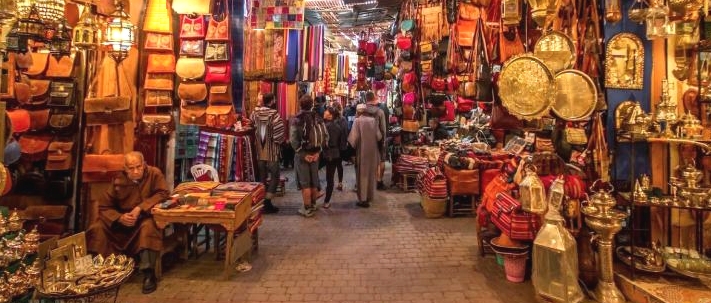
{"x": 269, "y": 136}
{"x": 374, "y": 109}
{"x": 365, "y": 137}
{"x": 337, "y": 138}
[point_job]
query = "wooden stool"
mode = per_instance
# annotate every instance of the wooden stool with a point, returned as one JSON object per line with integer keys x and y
{"x": 408, "y": 181}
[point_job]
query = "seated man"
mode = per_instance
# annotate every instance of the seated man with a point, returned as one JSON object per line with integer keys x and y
{"x": 125, "y": 224}
{"x": 439, "y": 132}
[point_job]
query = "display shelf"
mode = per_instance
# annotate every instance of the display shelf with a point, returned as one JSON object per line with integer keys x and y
{"x": 627, "y": 198}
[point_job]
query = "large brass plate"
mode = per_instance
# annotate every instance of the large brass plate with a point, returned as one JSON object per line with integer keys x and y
{"x": 556, "y": 50}
{"x": 624, "y": 62}
{"x": 526, "y": 87}
{"x": 576, "y": 95}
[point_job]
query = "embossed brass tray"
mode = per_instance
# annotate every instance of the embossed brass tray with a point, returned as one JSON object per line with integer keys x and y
{"x": 576, "y": 95}
{"x": 556, "y": 50}
{"x": 527, "y": 87}
{"x": 624, "y": 62}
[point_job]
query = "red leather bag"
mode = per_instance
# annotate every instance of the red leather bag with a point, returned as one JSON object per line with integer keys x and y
{"x": 20, "y": 119}
{"x": 509, "y": 218}
{"x": 464, "y": 105}
{"x": 218, "y": 73}
{"x": 438, "y": 84}
{"x": 403, "y": 42}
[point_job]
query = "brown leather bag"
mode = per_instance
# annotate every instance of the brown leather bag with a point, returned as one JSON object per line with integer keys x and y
{"x": 61, "y": 94}
{"x": 192, "y": 92}
{"x": 62, "y": 68}
{"x": 220, "y": 94}
{"x": 34, "y": 148}
{"x": 161, "y": 63}
{"x": 39, "y": 64}
{"x": 38, "y": 119}
{"x": 159, "y": 82}
{"x": 101, "y": 168}
{"x": 463, "y": 182}
{"x": 62, "y": 121}
{"x": 24, "y": 60}
{"x": 7, "y": 78}
{"x": 159, "y": 42}
{"x": 59, "y": 156}
{"x": 220, "y": 116}
{"x": 40, "y": 91}
{"x": 107, "y": 110}
{"x": 190, "y": 68}
{"x": 465, "y": 32}
{"x": 22, "y": 90}
{"x": 158, "y": 98}
{"x": 193, "y": 115}
{"x": 157, "y": 124}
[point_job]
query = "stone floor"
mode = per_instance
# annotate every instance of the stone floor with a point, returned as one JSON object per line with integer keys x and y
{"x": 387, "y": 253}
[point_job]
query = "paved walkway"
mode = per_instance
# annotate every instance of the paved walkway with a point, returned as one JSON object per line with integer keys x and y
{"x": 387, "y": 253}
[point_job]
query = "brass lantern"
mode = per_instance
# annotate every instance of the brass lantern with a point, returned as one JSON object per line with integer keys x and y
{"x": 657, "y": 22}
{"x": 637, "y": 12}
{"x": 541, "y": 9}
{"x": 533, "y": 192}
{"x": 52, "y": 11}
{"x": 555, "y": 255}
{"x": 15, "y": 42}
{"x": 511, "y": 12}
{"x": 687, "y": 34}
{"x": 613, "y": 11}
{"x": 87, "y": 32}
{"x": 120, "y": 33}
{"x": 61, "y": 43}
{"x": 32, "y": 26}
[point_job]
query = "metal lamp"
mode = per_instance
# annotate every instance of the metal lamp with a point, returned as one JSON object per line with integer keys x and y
{"x": 555, "y": 255}
{"x": 120, "y": 33}
{"x": 657, "y": 22}
{"x": 541, "y": 9}
{"x": 533, "y": 193}
{"x": 15, "y": 42}
{"x": 511, "y": 12}
{"x": 613, "y": 11}
{"x": 61, "y": 43}
{"x": 32, "y": 26}
{"x": 87, "y": 32}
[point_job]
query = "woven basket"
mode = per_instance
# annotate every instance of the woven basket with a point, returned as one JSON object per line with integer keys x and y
{"x": 434, "y": 208}
{"x": 515, "y": 268}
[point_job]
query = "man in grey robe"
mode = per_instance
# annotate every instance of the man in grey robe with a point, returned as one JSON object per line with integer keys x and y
{"x": 364, "y": 137}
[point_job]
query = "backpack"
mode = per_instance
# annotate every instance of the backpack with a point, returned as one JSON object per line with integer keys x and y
{"x": 314, "y": 133}
{"x": 263, "y": 127}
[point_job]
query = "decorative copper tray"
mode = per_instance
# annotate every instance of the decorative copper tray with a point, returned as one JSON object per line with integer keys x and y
{"x": 623, "y": 253}
{"x": 527, "y": 87}
{"x": 576, "y": 95}
{"x": 556, "y": 50}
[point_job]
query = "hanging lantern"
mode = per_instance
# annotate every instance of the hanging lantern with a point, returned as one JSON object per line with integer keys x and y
{"x": 50, "y": 10}
{"x": 658, "y": 25}
{"x": 541, "y": 9}
{"x": 687, "y": 34}
{"x": 32, "y": 26}
{"x": 637, "y": 12}
{"x": 61, "y": 43}
{"x": 682, "y": 7}
{"x": 613, "y": 11}
{"x": 15, "y": 42}
{"x": 555, "y": 256}
{"x": 87, "y": 32}
{"x": 533, "y": 193}
{"x": 119, "y": 33}
{"x": 511, "y": 12}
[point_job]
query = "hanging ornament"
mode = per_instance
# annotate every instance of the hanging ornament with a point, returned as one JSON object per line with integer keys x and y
{"x": 613, "y": 11}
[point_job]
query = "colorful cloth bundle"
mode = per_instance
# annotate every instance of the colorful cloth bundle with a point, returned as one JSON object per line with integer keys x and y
{"x": 411, "y": 164}
{"x": 195, "y": 187}
{"x": 432, "y": 183}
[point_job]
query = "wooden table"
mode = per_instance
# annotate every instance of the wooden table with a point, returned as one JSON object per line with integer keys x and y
{"x": 229, "y": 220}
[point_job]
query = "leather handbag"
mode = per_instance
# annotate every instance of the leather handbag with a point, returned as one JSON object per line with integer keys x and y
{"x": 502, "y": 119}
{"x": 60, "y": 68}
{"x": 161, "y": 63}
{"x": 7, "y": 77}
{"x": 101, "y": 168}
{"x": 468, "y": 11}
{"x": 156, "y": 124}
{"x": 218, "y": 73}
{"x": 158, "y": 98}
{"x": 40, "y": 91}
{"x": 408, "y": 112}
{"x": 39, "y": 64}
{"x": 62, "y": 121}
{"x": 464, "y": 105}
{"x": 403, "y": 42}
{"x": 516, "y": 224}
{"x": 34, "y": 148}
{"x": 438, "y": 83}
{"x": 575, "y": 136}
{"x": 193, "y": 115}
{"x": 22, "y": 90}
{"x": 465, "y": 32}
{"x": 193, "y": 48}
{"x": 192, "y": 92}
{"x": 220, "y": 94}
{"x": 217, "y": 51}
{"x": 158, "y": 82}
{"x": 39, "y": 119}
{"x": 190, "y": 68}
{"x": 192, "y": 28}
{"x": 218, "y": 30}
{"x": 59, "y": 156}
{"x": 24, "y": 60}
{"x": 220, "y": 116}
{"x": 463, "y": 182}
{"x": 61, "y": 94}
{"x": 20, "y": 120}
{"x": 159, "y": 42}
{"x": 107, "y": 110}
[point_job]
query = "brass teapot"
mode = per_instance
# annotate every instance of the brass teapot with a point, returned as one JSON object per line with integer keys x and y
{"x": 691, "y": 176}
{"x": 14, "y": 223}
{"x": 31, "y": 241}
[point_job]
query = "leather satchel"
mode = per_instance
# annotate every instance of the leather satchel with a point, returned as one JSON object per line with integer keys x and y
{"x": 107, "y": 110}
{"x": 217, "y": 51}
{"x": 22, "y": 90}
{"x": 38, "y": 119}
{"x": 190, "y": 68}
{"x": 463, "y": 182}
{"x": 218, "y": 30}
{"x": 39, "y": 64}
{"x": 59, "y": 156}
{"x": 218, "y": 73}
{"x": 61, "y": 94}
{"x": 158, "y": 82}
{"x": 157, "y": 124}
{"x": 517, "y": 224}
{"x": 19, "y": 119}
{"x": 192, "y": 92}
{"x": 465, "y": 32}
{"x": 193, "y": 115}
{"x": 161, "y": 63}
{"x": 101, "y": 168}
{"x": 193, "y": 48}
{"x": 62, "y": 121}
{"x": 468, "y": 11}
{"x": 159, "y": 42}
{"x": 34, "y": 148}
{"x": 220, "y": 94}
{"x": 40, "y": 91}
{"x": 192, "y": 28}
{"x": 158, "y": 98}
{"x": 62, "y": 68}
{"x": 220, "y": 116}
{"x": 24, "y": 60}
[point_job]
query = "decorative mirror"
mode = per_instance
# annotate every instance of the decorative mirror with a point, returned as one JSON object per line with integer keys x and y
{"x": 624, "y": 62}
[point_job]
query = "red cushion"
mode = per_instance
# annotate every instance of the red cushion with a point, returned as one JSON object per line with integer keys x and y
{"x": 204, "y": 178}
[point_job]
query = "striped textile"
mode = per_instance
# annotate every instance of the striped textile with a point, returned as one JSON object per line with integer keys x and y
{"x": 269, "y": 133}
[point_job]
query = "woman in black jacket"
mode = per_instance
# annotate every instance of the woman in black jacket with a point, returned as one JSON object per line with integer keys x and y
{"x": 337, "y": 138}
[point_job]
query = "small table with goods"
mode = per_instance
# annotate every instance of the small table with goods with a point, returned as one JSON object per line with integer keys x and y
{"x": 228, "y": 208}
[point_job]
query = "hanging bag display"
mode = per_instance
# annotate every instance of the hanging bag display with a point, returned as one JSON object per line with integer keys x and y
{"x": 158, "y": 82}
{"x": 161, "y": 63}
{"x": 220, "y": 116}
{"x": 190, "y": 68}
{"x": 156, "y": 124}
{"x": 102, "y": 167}
{"x": 220, "y": 94}
{"x": 62, "y": 122}
{"x": 218, "y": 73}
{"x": 60, "y": 68}
{"x": 192, "y": 48}
{"x": 159, "y": 42}
{"x": 158, "y": 98}
{"x": 192, "y": 28}
{"x": 482, "y": 67}
{"x": 34, "y": 148}
{"x": 61, "y": 94}
{"x": 218, "y": 26}
{"x": 40, "y": 91}
{"x": 38, "y": 119}
{"x": 192, "y": 92}
{"x": 59, "y": 156}
{"x": 107, "y": 109}
{"x": 38, "y": 65}
{"x": 192, "y": 114}
{"x": 217, "y": 51}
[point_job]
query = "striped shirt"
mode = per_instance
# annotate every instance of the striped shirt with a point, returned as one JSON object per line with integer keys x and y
{"x": 268, "y": 132}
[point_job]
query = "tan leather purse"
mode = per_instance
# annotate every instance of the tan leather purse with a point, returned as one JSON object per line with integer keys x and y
{"x": 411, "y": 126}
{"x": 107, "y": 109}
{"x": 220, "y": 116}
{"x": 158, "y": 82}
{"x": 190, "y": 68}
{"x": 161, "y": 63}
{"x": 193, "y": 115}
{"x": 157, "y": 124}
{"x": 158, "y": 98}
{"x": 462, "y": 182}
{"x": 40, "y": 91}
{"x": 101, "y": 168}
{"x": 34, "y": 148}
{"x": 62, "y": 68}
{"x": 62, "y": 121}
{"x": 38, "y": 119}
{"x": 159, "y": 42}
{"x": 39, "y": 64}
{"x": 192, "y": 92}
{"x": 220, "y": 94}
{"x": 59, "y": 156}
{"x": 24, "y": 60}
{"x": 22, "y": 90}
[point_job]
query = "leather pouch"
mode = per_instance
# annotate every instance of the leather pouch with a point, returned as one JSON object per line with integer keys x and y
{"x": 59, "y": 156}
{"x": 193, "y": 115}
{"x": 192, "y": 92}
{"x": 158, "y": 82}
{"x": 218, "y": 73}
{"x": 468, "y": 11}
{"x": 62, "y": 121}
{"x": 158, "y": 98}
{"x": 192, "y": 28}
{"x": 157, "y": 124}
{"x": 20, "y": 120}
{"x": 39, "y": 119}
{"x": 159, "y": 42}
{"x": 220, "y": 116}
{"x": 62, "y": 68}
{"x": 107, "y": 110}
{"x": 101, "y": 168}
{"x": 7, "y": 78}
{"x": 25, "y": 60}
{"x": 61, "y": 94}
{"x": 193, "y": 48}
{"x": 39, "y": 64}
{"x": 40, "y": 91}
{"x": 217, "y": 51}
{"x": 160, "y": 63}
{"x": 22, "y": 91}
{"x": 220, "y": 94}
{"x": 190, "y": 68}
{"x": 462, "y": 182}
{"x": 465, "y": 32}
{"x": 218, "y": 30}
{"x": 34, "y": 148}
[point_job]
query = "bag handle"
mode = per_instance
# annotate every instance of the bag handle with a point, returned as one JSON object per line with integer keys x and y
{"x": 220, "y": 10}
{"x": 479, "y": 47}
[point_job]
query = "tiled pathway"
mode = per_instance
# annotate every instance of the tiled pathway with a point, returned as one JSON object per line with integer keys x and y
{"x": 387, "y": 253}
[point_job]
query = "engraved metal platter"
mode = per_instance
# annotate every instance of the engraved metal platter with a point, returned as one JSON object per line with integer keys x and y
{"x": 576, "y": 95}
{"x": 556, "y": 50}
{"x": 527, "y": 87}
